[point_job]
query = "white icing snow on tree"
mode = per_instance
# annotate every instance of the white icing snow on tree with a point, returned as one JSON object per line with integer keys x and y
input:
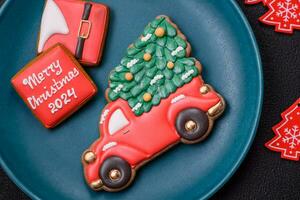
{"x": 287, "y": 10}
{"x": 292, "y": 136}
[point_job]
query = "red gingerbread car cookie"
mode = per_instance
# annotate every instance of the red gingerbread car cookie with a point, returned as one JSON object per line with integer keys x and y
{"x": 157, "y": 98}
{"x": 54, "y": 85}
{"x": 79, "y": 25}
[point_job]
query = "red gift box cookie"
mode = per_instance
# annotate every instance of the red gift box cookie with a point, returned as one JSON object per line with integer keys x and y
{"x": 78, "y": 25}
{"x": 54, "y": 85}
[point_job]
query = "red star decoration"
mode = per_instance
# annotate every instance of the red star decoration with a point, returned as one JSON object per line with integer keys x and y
{"x": 287, "y": 134}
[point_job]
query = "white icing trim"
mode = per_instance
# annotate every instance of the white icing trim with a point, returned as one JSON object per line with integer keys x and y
{"x": 273, "y": 143}
{"x": 177, "y": 50}
{"x": 117, "y": 121}
{"x": 132, "y": 62}
{"x": 187, "y": 74}
{"x": 178, "y": 98}
{"x": 109, "y": 145}
{"x": 53, "y": 22}
{"x": 103, "y": 116}
{"x": 146, "y": 38}
{"x": 156, "y": 78}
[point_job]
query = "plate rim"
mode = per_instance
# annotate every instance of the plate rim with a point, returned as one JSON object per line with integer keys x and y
{"x": 238, "y": 162}
{"x": 257, "y": 111}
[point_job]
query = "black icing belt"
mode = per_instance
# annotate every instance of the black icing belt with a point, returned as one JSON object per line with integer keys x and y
{"x": 81, "y": 40}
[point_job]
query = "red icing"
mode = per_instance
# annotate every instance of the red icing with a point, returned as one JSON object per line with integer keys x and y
{"x": 283, "y": 14}
{"x": 59, "y": 66}
{"x": 257, "y": 1}
{"x": 287, "y": 134}
{"x": 149, "y": 134}
{"x": 93, "y": 46}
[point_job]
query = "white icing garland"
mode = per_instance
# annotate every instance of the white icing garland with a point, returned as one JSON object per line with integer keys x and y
{"x": 178, "y": 98}
{"x": 36, "y": 79}
{"x": 119, "y": 88}
{"x": 109, "y": 145}
{"x": 146, "y": 38}
{"x": 187, "y": 74}
{"x": 103, "y": 116}
{"x": 156, "y": 78}
{"x": 136, "y": 107}
{"x": 118, "y": 68}
{"x": 177, "y": 50}
{"x": 36, "y": 101}
{"x": 132, "y": 62}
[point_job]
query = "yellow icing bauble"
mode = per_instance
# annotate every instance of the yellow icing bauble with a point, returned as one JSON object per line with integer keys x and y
{"x": 128, "y": 76}
{"x": 147, "y": 97}
{"x": 160, "y": 32}
{"x": 147, "y": 56}
{"x": 170, "y": 65}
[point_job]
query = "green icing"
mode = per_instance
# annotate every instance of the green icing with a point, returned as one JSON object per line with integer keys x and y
{"x": 180, "y": 42}
{"x": 157, "y": 22}
{"x": 171, "y": 44}
{"x": 139, "y": 76}
{"x": 161, "y": 63}
{"x": 187, "y": 61}
{"x": 131, "y": 51}
{"x": 151, "y": 72}
{"x": 147, "y": 106}
{"x": 171, "y": 31}
{"x": 148, "y": 29}
{"x": 150, "y": 48}
{"x": 179, "y": 68}
{"x": 168, "y": 73}
{"x": 169, "y": 56}
{"x": 156, "y": 99}
{"x": 159, "y": 51}
{"x": 125, "y": 95}
{"x": 153, "y": 76}
{"x": 181, "y": 54}
{"x": 161, "y": 41}
{"x": 136, "y": 68}
{"x": 127, "y": 87}
{"x": 170, "y": 86}
{"x": 149, "y": 65}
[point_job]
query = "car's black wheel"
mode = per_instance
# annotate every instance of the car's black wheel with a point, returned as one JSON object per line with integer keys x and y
{"x": 192, "y": 124}
{"x": 115, "y": 173}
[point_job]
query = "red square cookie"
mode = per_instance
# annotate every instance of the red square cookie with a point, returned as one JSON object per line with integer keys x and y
{"x": 54, "y": 85}
{"x": 79, "y": 25}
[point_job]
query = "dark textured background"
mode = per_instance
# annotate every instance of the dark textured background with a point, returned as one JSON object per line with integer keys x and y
{"x": 263, "y": 175}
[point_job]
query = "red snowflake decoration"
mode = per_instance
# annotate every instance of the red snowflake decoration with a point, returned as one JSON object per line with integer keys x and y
{"x": 265, "y": 2}
{"x": 287, "y": 139}
{"x": 284, "y": 14}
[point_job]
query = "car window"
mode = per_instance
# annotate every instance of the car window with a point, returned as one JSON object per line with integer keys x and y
{"x": 117, "y": 121}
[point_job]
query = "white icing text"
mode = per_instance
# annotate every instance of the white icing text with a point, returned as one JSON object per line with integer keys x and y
{"x": 35, "y": 79}
{"x": 35, "y": 101}
{"x": 64, "y": 99}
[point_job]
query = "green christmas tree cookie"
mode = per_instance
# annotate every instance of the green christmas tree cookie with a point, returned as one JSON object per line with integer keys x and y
{"x": 154, "y": 67}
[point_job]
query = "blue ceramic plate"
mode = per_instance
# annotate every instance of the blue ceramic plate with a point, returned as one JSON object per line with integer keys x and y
{"x": 46, "y": 163}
